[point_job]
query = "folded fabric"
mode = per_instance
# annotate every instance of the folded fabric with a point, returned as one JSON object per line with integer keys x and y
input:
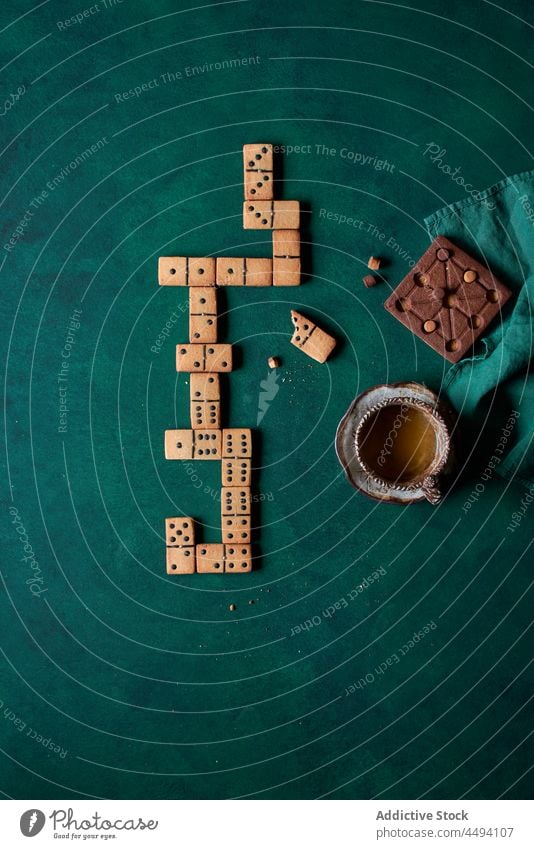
{"x": 497, "y": 228}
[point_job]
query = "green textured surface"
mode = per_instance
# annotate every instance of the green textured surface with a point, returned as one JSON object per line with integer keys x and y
{"x": 152, "y": 687}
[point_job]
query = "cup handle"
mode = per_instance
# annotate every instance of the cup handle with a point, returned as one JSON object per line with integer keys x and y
{"x": 431, "y": 489}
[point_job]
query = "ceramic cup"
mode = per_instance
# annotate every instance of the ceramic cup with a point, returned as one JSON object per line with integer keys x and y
{"x": 382, "y": 452}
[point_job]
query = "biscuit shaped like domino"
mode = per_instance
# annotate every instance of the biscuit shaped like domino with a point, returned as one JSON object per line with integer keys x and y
{"x": 186, "y": 271}
{"x": 258, "y": 171}
{"x": 201, "y": 444}
{"x": 310, "y": 338}
{"x": 244, "y": 271}
{"x": 195, "y": 357}
{"x": 271, "y": 215}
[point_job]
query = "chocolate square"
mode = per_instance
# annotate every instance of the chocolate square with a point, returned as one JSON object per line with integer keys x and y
{"x": 448, "y": 299}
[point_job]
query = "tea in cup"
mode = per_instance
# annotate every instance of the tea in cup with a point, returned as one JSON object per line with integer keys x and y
{"x": 403, "y": 443}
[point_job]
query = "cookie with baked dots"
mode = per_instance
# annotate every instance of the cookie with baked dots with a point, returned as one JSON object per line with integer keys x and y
{"x": 311, "y": 339}
{"x": 258, "y": 171}
{"x": 448, "y": 299}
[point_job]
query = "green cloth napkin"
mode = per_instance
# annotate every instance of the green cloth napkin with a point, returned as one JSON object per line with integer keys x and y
{"x": 497, "y": 228}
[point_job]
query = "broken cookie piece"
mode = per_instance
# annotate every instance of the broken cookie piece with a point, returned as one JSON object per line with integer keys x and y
{"x": 307, "y": 336}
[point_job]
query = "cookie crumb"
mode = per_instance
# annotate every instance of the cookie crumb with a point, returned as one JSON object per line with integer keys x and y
{"x": 369, "y": 281}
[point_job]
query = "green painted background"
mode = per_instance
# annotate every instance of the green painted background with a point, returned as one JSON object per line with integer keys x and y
{"x": 151, "y": 686}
